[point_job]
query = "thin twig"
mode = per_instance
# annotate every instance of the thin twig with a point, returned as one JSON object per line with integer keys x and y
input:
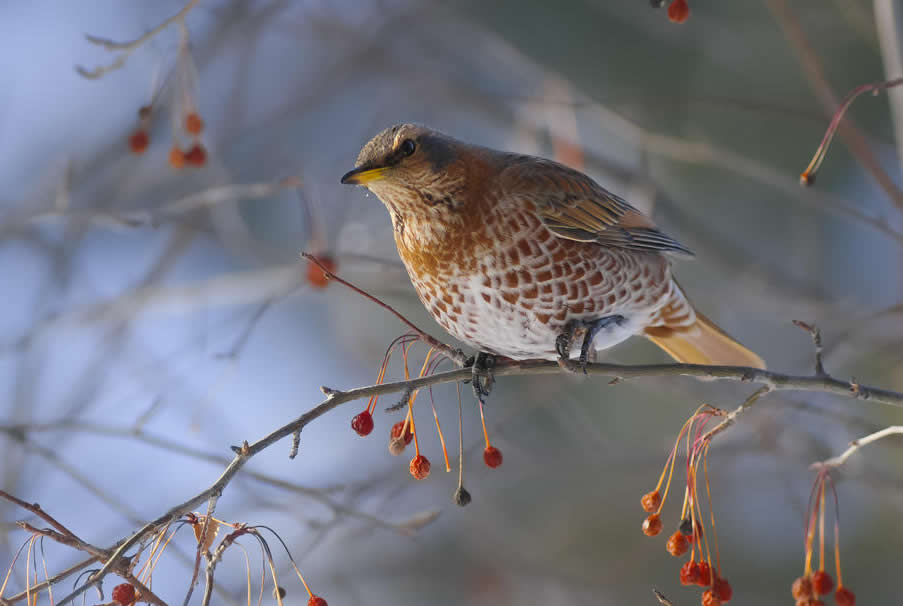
{"x": 855, "y": 445}
{"x": 453, "y": 354}
{"x": 127, "y": 48}
{"x": 815, "y": 333}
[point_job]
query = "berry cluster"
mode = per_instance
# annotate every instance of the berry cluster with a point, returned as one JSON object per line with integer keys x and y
{"x": 179, "y": 88}
{"x": 404, "y": 432}
{"x": 690, "y": 534}
{"x": 808, "y": 589}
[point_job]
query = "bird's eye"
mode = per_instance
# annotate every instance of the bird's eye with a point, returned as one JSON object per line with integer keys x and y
{"x": 407, "y": 147}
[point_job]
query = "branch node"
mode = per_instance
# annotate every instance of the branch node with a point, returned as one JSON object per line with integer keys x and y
{"x": 815, "y": 333}
{"x": 296, "y": 443}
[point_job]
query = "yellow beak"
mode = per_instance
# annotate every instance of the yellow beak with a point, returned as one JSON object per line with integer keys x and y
{"x": 363, "y": 175}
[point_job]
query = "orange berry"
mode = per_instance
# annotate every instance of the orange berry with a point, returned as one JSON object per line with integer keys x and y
{"x": 316, "y": 600}
{"x": 197, "y": 155}
{"x": 317, "y": 278}
{"x": 652, "y": 525}
{"x": 679, "y": 11}
{"x": 722, "y": 589}
{"x": 689, "y": 573}
{"x": 678, "y": 544}
{"x": 710, "y": 599}
{"x": 492, "y": 456}
{"x": 844, "y": 597}
{"x": 802, "y": 588}
{"x": 420, "y": 467}
{"x": 193, "y": 124}
{"x": 176, "y": 158}
{"x": 651, "y": 501}
{"x": 822, "y": 583}
{"x": 138, "y": 141}
{"x": 362, "y": 423}
{"x": 124, "y": 594}
{"x": 705, "y": 574}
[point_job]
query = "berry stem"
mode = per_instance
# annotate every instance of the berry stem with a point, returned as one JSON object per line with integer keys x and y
{"x": 483, "y": 421}
{"x": 821, "y": 526}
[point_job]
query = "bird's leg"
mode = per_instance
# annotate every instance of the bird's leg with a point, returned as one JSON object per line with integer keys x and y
{"x": 564, "y": 341}
{"x": 481, "y": 377}
{"x": 592, "y": 329}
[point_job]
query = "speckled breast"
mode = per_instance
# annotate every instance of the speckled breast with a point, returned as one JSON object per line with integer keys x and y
{"x": 513, "y": 288}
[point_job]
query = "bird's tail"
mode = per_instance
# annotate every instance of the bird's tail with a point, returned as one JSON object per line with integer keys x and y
{"x": 701, "y": 342}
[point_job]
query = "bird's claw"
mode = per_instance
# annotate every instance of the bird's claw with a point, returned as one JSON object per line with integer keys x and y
{"x": 482, "y": 378}
{"x": 591, "y": 328}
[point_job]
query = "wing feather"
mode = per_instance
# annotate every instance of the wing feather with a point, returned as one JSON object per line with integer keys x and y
{"x": 575, "y": 207}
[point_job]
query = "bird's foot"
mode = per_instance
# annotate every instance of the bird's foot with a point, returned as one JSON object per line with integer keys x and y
{"x": 591, "y": 328}
{"x": 482, "y": 378}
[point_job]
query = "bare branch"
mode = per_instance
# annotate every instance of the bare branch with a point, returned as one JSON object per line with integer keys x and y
{"x": 855, "y": 445}
{"x": 127, "y": 48}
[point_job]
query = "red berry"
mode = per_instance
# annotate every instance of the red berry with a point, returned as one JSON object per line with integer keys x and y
{"x": 679, "y": 11}
{"x": 362, "y": 423}
{"x": 710, "y": 599}
{"x": 396, "y": 432}
{"x": 176, "y": 158}
{"x": 316, "y": 277}
{"x": 420, "y": 467}
{"x": 689, "y": 573}
{"x": 822, "y": 583}
{"x": 138, "y": 142}
{"x": 705, "y": 574}
{"x": 678, "y": 544}
{"x": 844, "y": 597}
{"x": 722, "y": 589}
{"x": 193, "y": 124}
{"x": 197, "y": 155}
{"x": 802, "y": 588}
{"x": 124, "y": 594}
{"x": 652, "y": 525}
{"x": 316, "y": 600}
{"x": 492, "y": 456}
{"x": 651, "y": 501}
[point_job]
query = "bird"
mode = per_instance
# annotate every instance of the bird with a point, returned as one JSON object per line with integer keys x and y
{"x": 522, "y": 257}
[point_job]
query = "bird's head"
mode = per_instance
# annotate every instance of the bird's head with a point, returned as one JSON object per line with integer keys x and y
{"x": 415, "y": 171}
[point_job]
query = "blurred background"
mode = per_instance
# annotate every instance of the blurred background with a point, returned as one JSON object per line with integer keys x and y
{"x": 152, "y": 316}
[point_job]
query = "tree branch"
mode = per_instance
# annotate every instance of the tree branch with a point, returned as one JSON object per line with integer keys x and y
{"x": 771, "y": 381}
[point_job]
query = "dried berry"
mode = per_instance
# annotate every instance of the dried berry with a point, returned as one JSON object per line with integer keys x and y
{"x": 705, "y": 574}
{"x": 316, "y": 600}
{"x": 396, "y": 432}
{"x": 176, "y": 158}
{"x": 677, "y": 544}
{"x": 124, "y": 594}
{"x": 710, "y": 599}
{"x": 492, "y": 456}
{"x": 686, "y": 527}
{"x": 138, "y": 141}
{"x": 651, "y": 501}
{"x": 844, "y": 597}
{"x": 652, "y": 525}
{"x": 362, "y": 423}
{"x": 679, "y": 11}
{"x": 822, "y": 583}
{"x": 722, "y": 589}
{"x": 462, "y": 497}
{"x": 802, "y": 588}
{"x": 689, "y": 573}
{"x": 193, "y": 124}
{"x": 197, "y": 155}
{"x": 316, "y": 277}
{"x": 420, "y": 467}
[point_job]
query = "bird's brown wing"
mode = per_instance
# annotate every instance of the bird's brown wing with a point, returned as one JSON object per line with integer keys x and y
{"x": 575, "y": 207}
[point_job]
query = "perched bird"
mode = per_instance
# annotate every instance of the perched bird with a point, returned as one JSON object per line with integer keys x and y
{"x": 520, "y": 256}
